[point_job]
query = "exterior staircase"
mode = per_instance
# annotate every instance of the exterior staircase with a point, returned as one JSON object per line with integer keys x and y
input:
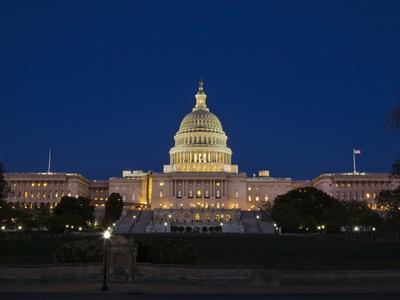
{"x": 249, "y": 222}
{"x": 143, "y": 220}
{"x": 134, "y": 221}
{"x": 253, "y": 225}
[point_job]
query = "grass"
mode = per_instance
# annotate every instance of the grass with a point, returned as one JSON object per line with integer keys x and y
{"x": 30, "y": 251}
{"x": 272, "y": 252}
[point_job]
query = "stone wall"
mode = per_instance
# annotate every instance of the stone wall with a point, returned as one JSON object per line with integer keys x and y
{"x": 194, "y": 275}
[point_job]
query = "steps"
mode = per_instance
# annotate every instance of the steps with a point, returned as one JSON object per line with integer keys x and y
{"x": 253, "y": 225}
{"x": 144, "y": 219}
{"x": 134, "y": 221}
{"x": 249, "y": 222}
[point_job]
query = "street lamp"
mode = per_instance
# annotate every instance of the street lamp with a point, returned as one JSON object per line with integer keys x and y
{"x": 356, "y": 230}
{"x": 165, "y": 227}
{"x": 106, "y": 236}
{"x": 374, "y": 233}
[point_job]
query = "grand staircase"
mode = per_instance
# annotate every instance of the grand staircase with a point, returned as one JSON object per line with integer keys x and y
{"x": 252, "y": 224}
{"x": 134, "y": 221}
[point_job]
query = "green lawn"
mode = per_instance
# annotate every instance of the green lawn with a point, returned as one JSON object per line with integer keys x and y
{"x": 274, "y": 252}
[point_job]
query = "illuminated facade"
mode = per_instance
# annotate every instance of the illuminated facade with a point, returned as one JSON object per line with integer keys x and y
{"x": 200, "y": 188}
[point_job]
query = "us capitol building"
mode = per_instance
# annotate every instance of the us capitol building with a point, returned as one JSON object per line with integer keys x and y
{"x": 199, "y": 190}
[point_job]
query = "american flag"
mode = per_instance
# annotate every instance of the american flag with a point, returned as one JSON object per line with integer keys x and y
{"x": 356, "y": 151}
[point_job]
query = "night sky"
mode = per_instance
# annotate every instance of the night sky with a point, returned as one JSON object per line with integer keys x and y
{"x": 105, "y": 84}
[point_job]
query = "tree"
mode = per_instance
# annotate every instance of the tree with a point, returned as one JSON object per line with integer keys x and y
{"x": 396, "y": 169}
{"x": 77, "y": 212}
{"x": 393, "y": 120}
{"x": 357, "y": 213}
{"x": 390, "y": 201}
{"x": 304, "y": 209}
{"x": 5, "y": 208}
{"x": 114, "y": 206}
{"x": 4, "y": 186}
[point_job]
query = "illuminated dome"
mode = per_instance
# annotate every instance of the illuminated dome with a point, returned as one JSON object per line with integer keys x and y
{"x": 201, "y": 120}
{"x": 200, "y": 143}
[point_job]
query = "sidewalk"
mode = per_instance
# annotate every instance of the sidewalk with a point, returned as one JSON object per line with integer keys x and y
{"x": 129, "y": 288}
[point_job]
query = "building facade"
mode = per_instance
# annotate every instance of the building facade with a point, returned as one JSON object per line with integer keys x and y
{"x": 200, "y": 185}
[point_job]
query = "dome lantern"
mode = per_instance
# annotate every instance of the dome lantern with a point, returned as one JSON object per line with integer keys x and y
{"x": 201, "y": 97}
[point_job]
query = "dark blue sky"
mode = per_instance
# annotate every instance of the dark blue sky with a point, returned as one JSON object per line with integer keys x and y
{"x": 105, "y": 84}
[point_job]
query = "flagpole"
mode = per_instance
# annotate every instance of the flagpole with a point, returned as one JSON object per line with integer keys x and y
{"x": 49, "y": 165}
{"x": 354, "y": 162}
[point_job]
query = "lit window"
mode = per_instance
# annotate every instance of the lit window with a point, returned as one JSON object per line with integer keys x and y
{"x": 44, "y": 184}
{"x": 161, "y": 194}
{"x": 257, "y": 198}
{"x": 33, "y": 184}
{"x": 249, "y": 188}
{"x": 218, "y": 184}
{"x": 161, "y": 183}
{"x": 249, "y": 198}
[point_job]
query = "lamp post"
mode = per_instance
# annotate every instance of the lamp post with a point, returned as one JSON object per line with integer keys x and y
{"x": 356, "y": 230}
{"x": 374, "y": 233}
{"x": 106, "y": 236}
{"x": 165, "y": 227}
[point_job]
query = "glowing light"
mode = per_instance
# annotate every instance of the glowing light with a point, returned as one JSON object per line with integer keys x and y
{"x": 107, "y": 234}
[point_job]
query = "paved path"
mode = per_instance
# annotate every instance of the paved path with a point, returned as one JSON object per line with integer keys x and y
{"x": 164, "y": 291}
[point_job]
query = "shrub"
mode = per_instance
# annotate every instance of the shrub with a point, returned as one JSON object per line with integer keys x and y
{"x": 79, "y": 252}
{"x": 166, "y": 251}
